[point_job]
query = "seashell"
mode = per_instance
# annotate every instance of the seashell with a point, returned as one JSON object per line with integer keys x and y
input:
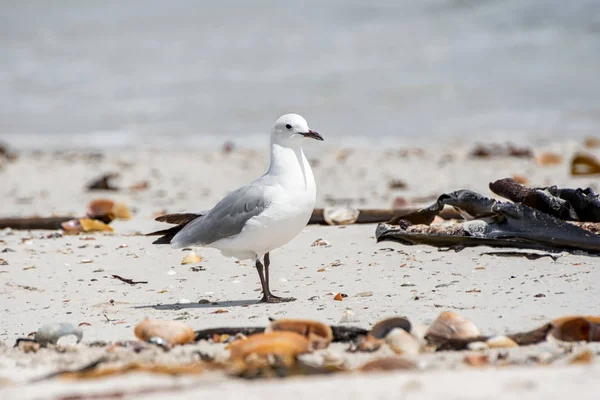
{"x": 92, "y": 225}
{"x": 340, "y": 215}
{"x": 402, "y": 342}
{"x": 318, "y": 334}
{"x": 320, "y": 242}
{"x": 52, "y": 332}
{"x": 576, "y": 329}
{"x": 348, "y": 316}
{"x": 283, "y": 344}
{"x": 521, "y": 179}
{"x": 388, "y": 364}
{"x": 381, "y": 329}
{"x": 478, "y": 346}
{"x": 591, "y": 142}
{"x": 28, "y": 346}
{"x": 72, "y": 227}
{"x": 121, "y": 211}
{"x": 585, "y": 357}
{"x": 173, "y": 332}
{"x": 450, "y": 325}
{"x": 191, "y": 258}
{"x": 499, "y": 342}
{"x": 585, "y": 164}
{"x": 141, "y": 185}
{"x": 367, "y": 344}
{"x": 99, "y": 207}
{"x": 338, "y": 297}
{"x": 477, "y": 360}
{"x": 548, "y": 158}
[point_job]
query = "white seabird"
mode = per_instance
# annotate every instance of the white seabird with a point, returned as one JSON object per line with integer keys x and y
{"x": 257, "y": 218}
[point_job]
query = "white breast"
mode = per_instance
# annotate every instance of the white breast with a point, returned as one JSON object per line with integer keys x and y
{"x": 292, "y": 195}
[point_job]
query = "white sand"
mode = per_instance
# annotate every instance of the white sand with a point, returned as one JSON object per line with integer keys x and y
{"x": 52, "y": 279}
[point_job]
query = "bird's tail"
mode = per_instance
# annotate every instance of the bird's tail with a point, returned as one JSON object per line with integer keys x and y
{"x": 166, "y": 235}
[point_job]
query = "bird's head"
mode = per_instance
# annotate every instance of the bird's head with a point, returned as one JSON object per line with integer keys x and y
{"x": 290, "y": 130}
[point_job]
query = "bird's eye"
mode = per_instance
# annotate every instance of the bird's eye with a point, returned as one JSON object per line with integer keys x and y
{"x": 288, "y": 126}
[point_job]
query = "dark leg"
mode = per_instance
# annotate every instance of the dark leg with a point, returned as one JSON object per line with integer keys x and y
{"x": 268, "y": 297}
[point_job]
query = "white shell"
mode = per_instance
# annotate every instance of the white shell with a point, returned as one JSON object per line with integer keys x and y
{"x": 340, "y": 215}
{"x": 402, "y": 342}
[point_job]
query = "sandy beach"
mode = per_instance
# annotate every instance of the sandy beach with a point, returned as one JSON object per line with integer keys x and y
{"x": 50, "y": 277}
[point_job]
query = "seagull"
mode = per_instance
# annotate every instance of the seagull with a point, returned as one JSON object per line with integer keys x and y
{"x": 257, "y": 218}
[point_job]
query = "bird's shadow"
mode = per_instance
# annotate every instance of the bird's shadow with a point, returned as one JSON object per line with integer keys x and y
{"x": 220, "y": 304}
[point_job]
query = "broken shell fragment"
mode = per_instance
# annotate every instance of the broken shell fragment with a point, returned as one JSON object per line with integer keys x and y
{"x": 92, "y": 225}
{"x": 52, "y": 332}
{"x": 388, "y": 364}
{"x": 283, "y": 344}
{"x": 576, "y": 329}
{"x": 402, "y": 342}
{"x": 318, "y": 334}
{"x": 340, "y": 215}
{"x": 450, "y": 325}
{"x": 173, "y": 332}
{"x": 72, "y": 227}
{"x": 381, "y": 329}
{"x": 499, "y": 342}
{"x": 191, "y": 258}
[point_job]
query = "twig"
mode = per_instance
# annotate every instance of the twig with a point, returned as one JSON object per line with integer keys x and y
{"x": 128, "y": 281}
{"x": 26, "y": 223}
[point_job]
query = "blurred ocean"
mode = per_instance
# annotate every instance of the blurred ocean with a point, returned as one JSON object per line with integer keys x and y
{"x": 196, "y": 73}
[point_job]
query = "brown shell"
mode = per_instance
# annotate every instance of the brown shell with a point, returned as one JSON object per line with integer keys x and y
{"x": 576, "y": 329}
{"x": 318, "y": 334}
{"x": 585, "y": 164}
{"x": 272, "y": 343}
{"x": 382, "y": 328}
{"x": 100, "y": 207}
{"x": 388, "y": 364}
{"x": 174, "y": 332}
{"x": 548, "y": 158}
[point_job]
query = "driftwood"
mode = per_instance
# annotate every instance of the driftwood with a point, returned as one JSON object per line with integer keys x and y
{"x": 366, "y": 216}
{"x": 26, "y": 223}
{"x": 374, "y": 216}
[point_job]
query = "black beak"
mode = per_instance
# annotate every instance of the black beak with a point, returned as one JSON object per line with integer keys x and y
{"x": 313, "y": 135}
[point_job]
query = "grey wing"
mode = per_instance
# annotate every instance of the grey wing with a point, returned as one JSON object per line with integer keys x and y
{"x": 225, "y": 219}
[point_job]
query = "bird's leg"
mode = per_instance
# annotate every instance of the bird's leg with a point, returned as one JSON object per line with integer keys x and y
{"x": 268, "y": 297}
{"x": 261, "y": 276}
